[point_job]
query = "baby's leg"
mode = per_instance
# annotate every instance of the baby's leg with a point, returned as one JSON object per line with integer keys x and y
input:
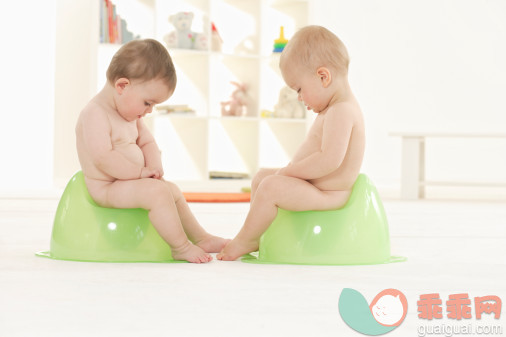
{"x": 278, "y": 191}
{"x": 156, "y": 197}
{"x": 259, "y": 176}
{"x": 198, "y": 235}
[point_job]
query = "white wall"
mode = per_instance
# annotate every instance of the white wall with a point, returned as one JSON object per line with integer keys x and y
{"x": 416, "y": 65}
{"x": 435, "y": 65}
{"x": 75, "y": 76}
{"x": 27, "y": 95}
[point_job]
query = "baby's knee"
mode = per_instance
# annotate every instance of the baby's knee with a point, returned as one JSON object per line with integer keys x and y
{"x": 160, "y": 191}
{"x": 269, "y": 185}
{"x": 260, "y": 176}
{"x": 174, "y": 190}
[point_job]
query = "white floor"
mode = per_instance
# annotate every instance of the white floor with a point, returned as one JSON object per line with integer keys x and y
{"x": 452, "y": 247}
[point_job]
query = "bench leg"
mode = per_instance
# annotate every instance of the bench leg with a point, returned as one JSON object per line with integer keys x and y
{"x": 413, "y": 168}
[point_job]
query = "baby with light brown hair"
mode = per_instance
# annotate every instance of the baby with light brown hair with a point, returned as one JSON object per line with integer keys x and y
{"x": 322, "y": 172}
{"x": 120, "y": 159}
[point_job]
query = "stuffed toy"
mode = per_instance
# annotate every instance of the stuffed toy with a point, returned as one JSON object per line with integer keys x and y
{"x": 183, "y": 37}
{"x": 238, "y": 103}
{"x": 288, "y": 105}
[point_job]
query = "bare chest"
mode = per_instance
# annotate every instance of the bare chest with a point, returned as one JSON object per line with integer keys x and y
{"x": 312, "y": 142}
{"x": 124, "y": 140}
{"x": 123, "y": 132}
{"x": 315, "y": 133}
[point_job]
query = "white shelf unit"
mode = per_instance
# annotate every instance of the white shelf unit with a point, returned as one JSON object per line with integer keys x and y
{"x": 194, "y": 145}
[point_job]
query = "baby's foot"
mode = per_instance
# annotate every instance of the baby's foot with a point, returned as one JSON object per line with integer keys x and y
{"x": 191, "y": 253}
{"x": 212, "y": 244}
{"x": 237, "y": 248}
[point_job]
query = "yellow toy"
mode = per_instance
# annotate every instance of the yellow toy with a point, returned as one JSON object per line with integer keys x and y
{"x": 280, "y": 42}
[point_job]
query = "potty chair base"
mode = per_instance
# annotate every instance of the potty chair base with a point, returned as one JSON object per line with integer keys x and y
{"x": 254, "y": 258}
{"x": 49, "y": 255}
{"x": 355, "y": 234}
{"x": 84, "y": 231}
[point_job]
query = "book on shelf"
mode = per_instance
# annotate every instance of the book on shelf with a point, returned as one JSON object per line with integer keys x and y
{"x": 175, "y": 109}
{"x": 227, "y": 175}
{"x": 113, "y": 29}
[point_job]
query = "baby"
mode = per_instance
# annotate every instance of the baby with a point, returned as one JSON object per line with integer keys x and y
{"x": 322, "y": 172}
{"x": 120, "y": 159}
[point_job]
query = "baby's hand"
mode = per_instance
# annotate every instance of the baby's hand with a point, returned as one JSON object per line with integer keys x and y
{"x": 160, "y": 172}
{"x": 147, "y": 172}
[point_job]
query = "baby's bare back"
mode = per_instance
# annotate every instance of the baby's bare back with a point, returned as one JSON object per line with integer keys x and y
{"x": 345, "y": 175}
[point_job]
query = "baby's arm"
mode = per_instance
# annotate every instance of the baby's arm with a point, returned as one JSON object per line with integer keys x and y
{"x": 337, "y": 128}
{"x": 96, "y": 133}
{"x": 150, "y": 150}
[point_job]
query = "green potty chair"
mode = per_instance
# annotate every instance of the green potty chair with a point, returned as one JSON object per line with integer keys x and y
{"x": 354, "y": 234}
{"x": 84, "y": 231}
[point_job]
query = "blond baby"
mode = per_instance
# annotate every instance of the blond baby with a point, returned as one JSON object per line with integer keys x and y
{"x": 120, "y": 159}
{"x": 321, "y": 174}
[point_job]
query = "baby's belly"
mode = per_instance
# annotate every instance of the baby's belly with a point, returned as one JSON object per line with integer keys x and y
{"x": 132, "y": 153}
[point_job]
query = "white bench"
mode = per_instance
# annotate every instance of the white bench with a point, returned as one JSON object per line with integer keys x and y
{"x": 413, "y": 159}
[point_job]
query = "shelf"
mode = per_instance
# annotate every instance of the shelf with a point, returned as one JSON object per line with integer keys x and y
{"x": 232, "y": 119}
{"x": 233, "y": 145}
{"x": 184, "y": 155}
{"x": 195, "y": 144}
{"x": 175, "y": 52}
{"x": 273, "y": 120}
{"x": 280, "y": 140}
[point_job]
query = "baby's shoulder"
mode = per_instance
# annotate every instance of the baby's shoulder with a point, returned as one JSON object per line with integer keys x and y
{"x": 95, "y": 109}
{"x": 93, "y": 114}
{"x": 348, "y": 110}
{"x": 346, "y": 107}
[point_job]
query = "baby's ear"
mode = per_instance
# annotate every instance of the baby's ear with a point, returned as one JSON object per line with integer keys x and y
{"x": 325, "y": 76}
{"x": 121, "y": 84}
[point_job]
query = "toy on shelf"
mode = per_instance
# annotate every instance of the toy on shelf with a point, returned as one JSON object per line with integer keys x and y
{"x": 183, "y": 37}
{"x": 280, "y": 42}
{"x": 216, "y": 40}
{"x": 238, "y": 103}
{"x": 288, "y": 105}
{"x": 266, "y": 113}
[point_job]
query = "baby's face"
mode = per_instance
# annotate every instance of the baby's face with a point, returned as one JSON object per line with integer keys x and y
{"x": 308, "y": 86}
{"x": 138, "y": 98}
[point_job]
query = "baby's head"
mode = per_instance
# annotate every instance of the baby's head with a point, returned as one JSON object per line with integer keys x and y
{"x": 313, "y": 47}
{"x": 142, "y": 60}
{"x": 142, "y": 75}
{"x": 314, "y": 63}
